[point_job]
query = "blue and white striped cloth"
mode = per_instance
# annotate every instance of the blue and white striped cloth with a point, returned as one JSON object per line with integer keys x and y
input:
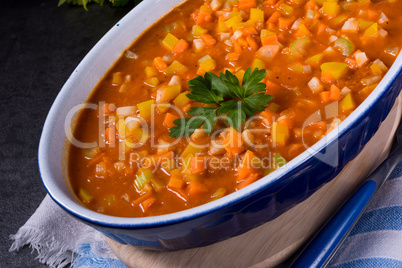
{"x": 375, "y": 241}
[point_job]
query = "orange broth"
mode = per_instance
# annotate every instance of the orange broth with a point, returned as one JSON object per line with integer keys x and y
{"x": 292, "y": 40}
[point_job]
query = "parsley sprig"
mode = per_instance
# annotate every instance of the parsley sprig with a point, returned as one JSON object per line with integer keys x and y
{"x": 223, "y": 95}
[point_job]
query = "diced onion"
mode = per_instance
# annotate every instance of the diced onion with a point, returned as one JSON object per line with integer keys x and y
{"x": 332, "y": 38}
{"x": 381, "y": 64}
{"x": 236, "y": 35}
{"x": 174, "y": 81}
{"x": 350, "y": 26}
{"x": 392, "y": 51}
{"x": 383, "y": 19}
{"x": 131, "y": 55}
{"x": 296, "y": 24}
{"x": 382, "y": 33}
{"x": 345, "y": 91}
{"x": 126, "y": 111}
{"x": 216, "y": 4}
{"x": 361, "y": 58}
{"x": 315, "y": 85}
{"x": 370, "y": 80}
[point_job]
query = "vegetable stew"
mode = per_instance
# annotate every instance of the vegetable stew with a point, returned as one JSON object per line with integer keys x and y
{"x": 220, "y": 93}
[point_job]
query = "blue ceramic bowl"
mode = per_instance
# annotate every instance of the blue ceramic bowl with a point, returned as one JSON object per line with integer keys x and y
{"x": 231, "y": 215}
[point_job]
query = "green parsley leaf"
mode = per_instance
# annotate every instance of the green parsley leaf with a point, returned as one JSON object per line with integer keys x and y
{"x": 236, "y": 101}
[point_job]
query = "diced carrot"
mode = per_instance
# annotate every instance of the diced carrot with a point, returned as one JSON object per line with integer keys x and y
{"x": 196, "y": 188}
{"x": 248, "y": 30}
{"x": 181, "y": 46}
{"x": 159, "y": 63}
{"x": 233, "y": 143}
{"x": 147, "y": 203}
{"x": 237, "y": 47}
{"x": 252, "y": 178}
{"x": 242, "y": 42}
{"x": 272, "y": 88}
{"x": 321, "y": 125}
{"x": 208, "y": 40}
{"x": 169, "y": 118}
{"x": 245, "y": 5}
{"x": 233, "y": 56}
{"x": 274, "y": 17}
{"x": 175, "y": 182}
{"x": 268, "y": 115}
{"x": 202, "y": 16}
{"x": 245, "y": 168}
{"x": 325, "y": 96}
{"x": 321, "y": 29}
{"x": 269, "y": 40}
{"x": 310, "y": 5}
{"x": 373, "y": 14}
{"x": 142, "y": 198}
{"x": 96, "y": 159}
{"x": 252, "y": 43}
{"x": 351, "y": 63}
{"x": 268, "y": 3}
{"x": 335, "y": 93}
{"x": 198, "y": 165}
{"x": 286, "y": 121}
{"x": 284, "y": 23}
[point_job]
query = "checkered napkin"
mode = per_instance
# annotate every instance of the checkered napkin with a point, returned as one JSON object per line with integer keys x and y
{"x": 375, "y": 241}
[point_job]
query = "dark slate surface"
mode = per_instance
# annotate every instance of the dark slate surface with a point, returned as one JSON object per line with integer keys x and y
{"x": 40, "y": 45}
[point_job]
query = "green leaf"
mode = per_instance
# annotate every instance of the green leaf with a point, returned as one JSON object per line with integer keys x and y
{"x": 236, "y": 101}
{"x": 201, "y": 90}
{"x": 251, "y": 82}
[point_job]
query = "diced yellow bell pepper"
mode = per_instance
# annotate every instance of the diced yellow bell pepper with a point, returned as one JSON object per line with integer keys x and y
{"x": 234, "y": 21}
{"x": 285, "y": 9}
{"x": 364, "y": 24}
{"x": 117, "y": 78}
{"x": 376, "y": 69}
{"x": 372, "y": 31}
{"x": 85, "y": 195}
{"x": 191, "y": 149}
{"x": 198, "y": 30}
{"x": 256, "y": 14}
{"x": 150, "y": 71}
{"x": 163, "y": 107}
{"x": 333, "y": 70}
{"x": 240, "y": 75}
{"x": 170, "y": 41}
{"x": 331, "y": 9}
{"x": 152, "y": 82}
{"x": 280, "y": 134}
{"x": 257, "y": 63}
{"x": 347, "y": 103}
{"x": 145, "y": 109}
{"x": 207, "y": 64}
{"x": 339, "y": 20}
{"x": 315, "y": 60}
{"x": 175, "y": 68}
{"x": 265, "y": 32}
{"x": 182, "y": 99}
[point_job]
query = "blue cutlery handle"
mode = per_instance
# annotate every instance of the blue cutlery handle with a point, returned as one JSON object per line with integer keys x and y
{"x": 318, "y": 252}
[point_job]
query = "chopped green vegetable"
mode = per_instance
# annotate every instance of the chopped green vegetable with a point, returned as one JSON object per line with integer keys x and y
{"x": 143, "y": 176}
{"x": 344, "y": 46}
{"x": 279, "y": 160}
{"x": 85, "y": 195}
{"x": 231, "y": 97}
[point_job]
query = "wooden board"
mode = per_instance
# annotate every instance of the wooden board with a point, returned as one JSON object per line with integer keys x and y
{"x": 275, "y": 241}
